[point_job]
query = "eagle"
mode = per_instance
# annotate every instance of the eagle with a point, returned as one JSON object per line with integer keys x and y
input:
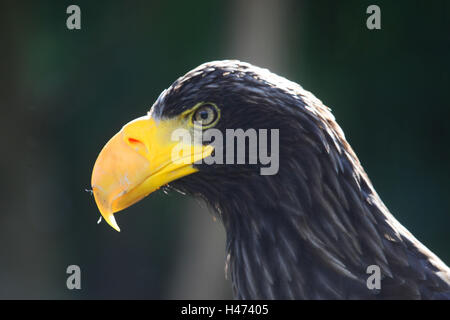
{"x": 315, "y": 229}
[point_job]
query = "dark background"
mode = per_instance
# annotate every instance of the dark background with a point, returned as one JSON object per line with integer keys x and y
{"x": 64, "y": 93}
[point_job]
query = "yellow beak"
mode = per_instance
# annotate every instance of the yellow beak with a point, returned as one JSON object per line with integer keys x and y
{"x": 138, "y": 160}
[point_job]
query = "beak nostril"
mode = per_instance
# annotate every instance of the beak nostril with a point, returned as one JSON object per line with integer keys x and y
{"x": 136, "y": 144}
{"x": 134, "y": 141}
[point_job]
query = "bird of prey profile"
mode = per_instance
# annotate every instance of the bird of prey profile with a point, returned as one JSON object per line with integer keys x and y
{"x": 311, "y": 230}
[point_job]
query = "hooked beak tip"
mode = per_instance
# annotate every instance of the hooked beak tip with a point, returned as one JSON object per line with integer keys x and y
{"x": 105, "y": 209}
{"x": 112, "y": 222}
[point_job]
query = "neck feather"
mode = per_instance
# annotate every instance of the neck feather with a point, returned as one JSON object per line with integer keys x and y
{"x": 311, "y": 231}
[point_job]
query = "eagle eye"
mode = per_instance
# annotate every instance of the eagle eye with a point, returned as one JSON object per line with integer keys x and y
{"x": 206, "y": 115}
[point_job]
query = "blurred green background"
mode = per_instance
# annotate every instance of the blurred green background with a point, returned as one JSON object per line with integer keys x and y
{"x": 64, "y": 93}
